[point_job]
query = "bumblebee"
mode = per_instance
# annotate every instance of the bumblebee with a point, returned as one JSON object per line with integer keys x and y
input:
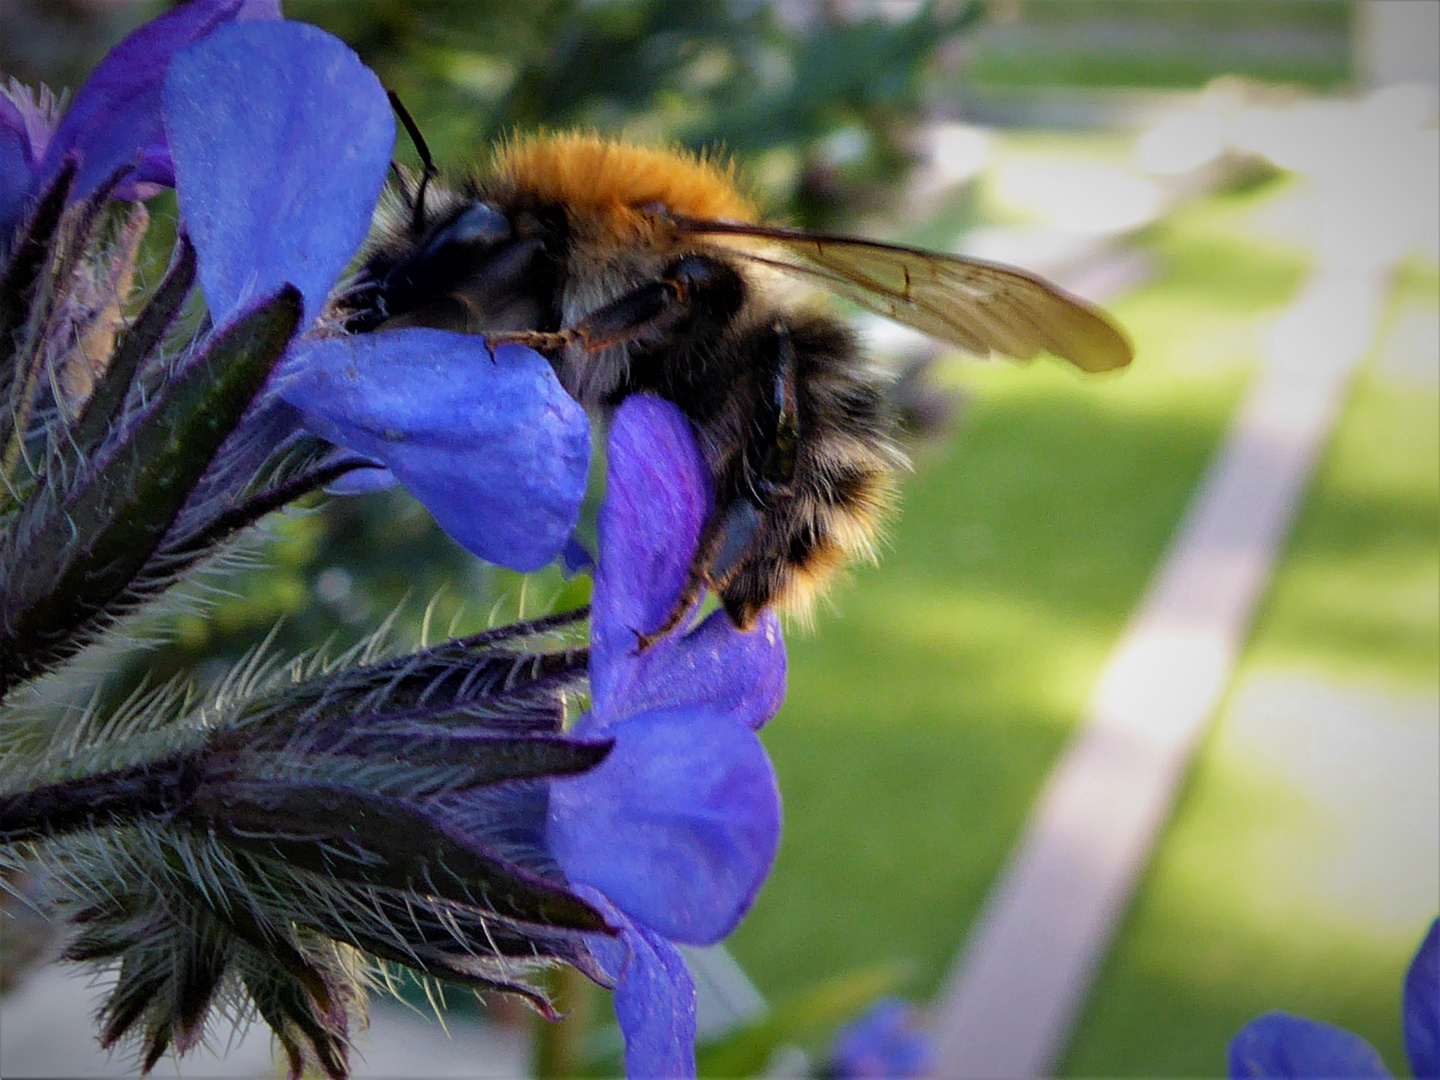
{"x": 640, "y": 270}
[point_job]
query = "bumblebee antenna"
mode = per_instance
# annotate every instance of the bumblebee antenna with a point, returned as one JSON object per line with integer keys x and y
{"x": 417, "y": 216}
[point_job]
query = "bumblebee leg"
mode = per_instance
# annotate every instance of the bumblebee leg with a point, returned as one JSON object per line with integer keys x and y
{"x": 725, "y": 538}
{"x": 780, "y": 421}
{"x": 695, "y": 287}
{"x": 539, "y": 340}
{"x": 727, "y": 548}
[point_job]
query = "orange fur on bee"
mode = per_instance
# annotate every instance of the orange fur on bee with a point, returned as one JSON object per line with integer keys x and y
{"x": 592, "y": 173}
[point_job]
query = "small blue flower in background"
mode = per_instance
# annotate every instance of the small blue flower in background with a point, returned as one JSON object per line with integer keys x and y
{"x": 281, "y": 139}
{"x": 114, "y": 120}
{"x": 1279, "y": 1044}
{"x": 673, "y": 835}
{"x": 887, "y": 1041}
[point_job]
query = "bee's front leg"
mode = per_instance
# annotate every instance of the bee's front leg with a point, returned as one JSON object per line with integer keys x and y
{"x": 693, "y": 288}
{"x": 729, "y": 539}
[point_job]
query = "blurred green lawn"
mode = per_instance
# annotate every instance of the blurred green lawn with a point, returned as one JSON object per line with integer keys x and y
{"x": 1242, "y": 911}
{"x": 924, "y": 715}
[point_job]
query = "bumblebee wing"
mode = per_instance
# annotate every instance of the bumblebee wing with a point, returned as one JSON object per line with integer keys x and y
{"x": 980, "y": 306}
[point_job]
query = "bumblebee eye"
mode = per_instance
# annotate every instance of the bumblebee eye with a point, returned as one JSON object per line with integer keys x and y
{"x": 480, "y": 225}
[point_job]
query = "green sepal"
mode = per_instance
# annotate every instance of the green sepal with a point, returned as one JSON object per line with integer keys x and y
{"x": 298, "y": 1023}
{"x": 75, "y": 565}
{"x": 25, "y": 349}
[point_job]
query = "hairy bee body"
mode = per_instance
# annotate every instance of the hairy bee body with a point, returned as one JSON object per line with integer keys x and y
{"x": 585, "y": 226}
{"x": 638, "y": 270}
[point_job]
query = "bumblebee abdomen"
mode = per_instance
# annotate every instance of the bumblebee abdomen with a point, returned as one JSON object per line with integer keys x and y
{"x": 832, "y": 510}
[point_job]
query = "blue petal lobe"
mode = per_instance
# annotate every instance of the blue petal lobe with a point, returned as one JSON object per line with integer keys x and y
{"x": 494, "y": 448}
{"x": 1280, "y": 1044}
{"x": 678, "y": 826}
{"x": 656, "y": 501}
{"x": 577, "y": 558}
{"x": 16, "y": 165}
{"x": 713, "y": 667}
{"x": 281, "y": 138}
{"x": 1422, "y": 1007}
{"x": 115, "y": 118}
{"x": 365, "y": 480}
{"x": 654, "y": 998}
{"x": 888, "y": 1041}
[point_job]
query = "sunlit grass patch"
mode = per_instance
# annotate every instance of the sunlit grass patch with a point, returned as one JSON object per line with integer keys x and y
{"x": 924, "y": 715}
{"x": 1300, "y": 869}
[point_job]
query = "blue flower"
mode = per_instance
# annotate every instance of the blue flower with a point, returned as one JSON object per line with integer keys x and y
{"x": 281, "y": 139}
{"x": 887, "y": 1041}
{"x": 114, "y": 120}
{"x": 674, "y": 833}
{"x": 1279, "y": 1044}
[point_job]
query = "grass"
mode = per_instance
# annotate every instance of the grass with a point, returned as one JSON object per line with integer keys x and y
{"x": 1110, "y": 44}
{"x": 1305, "y": 880}
{"x": 923, "y": 716}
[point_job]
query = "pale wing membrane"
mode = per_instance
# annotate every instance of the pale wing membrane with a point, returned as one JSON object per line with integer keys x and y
{"x": 981, "y": 307}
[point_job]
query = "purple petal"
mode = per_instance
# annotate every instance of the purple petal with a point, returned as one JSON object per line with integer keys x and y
{"x": 577, "y": 558}
{"x": 115, "y": 120}
{"x": 494, "y": 448}
{"x": 678, "y": 826}
{"x": 656, "y": 501}
{"x": 363, "y": 481}
{"x": 1282, "y": 1045}
{"x": 281, "y": 138}
{"x": 888, "y": 1041}
{"x": 30, "y": 117}
{"x": 16, "y": 165}
{"x": 654, "y": 997}
{"x": 1422, "y": 1007}
{"x": 714, "y": 667}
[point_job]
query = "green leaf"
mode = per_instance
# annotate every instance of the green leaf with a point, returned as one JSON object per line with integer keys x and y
{"x": 484, "y": 759}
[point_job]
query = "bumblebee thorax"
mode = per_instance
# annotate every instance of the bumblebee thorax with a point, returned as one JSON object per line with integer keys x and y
{"x": 597, "y": 176}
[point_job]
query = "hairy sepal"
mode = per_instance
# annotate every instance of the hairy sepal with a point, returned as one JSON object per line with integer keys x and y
{"x": 140, "y": 342}
{"x": 23, "y": 268}
{"x": 383, "y": 841}
{"x": 70, "y": 564}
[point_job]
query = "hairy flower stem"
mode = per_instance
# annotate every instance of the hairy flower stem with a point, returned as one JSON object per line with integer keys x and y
{"x": 118, "y": 797}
